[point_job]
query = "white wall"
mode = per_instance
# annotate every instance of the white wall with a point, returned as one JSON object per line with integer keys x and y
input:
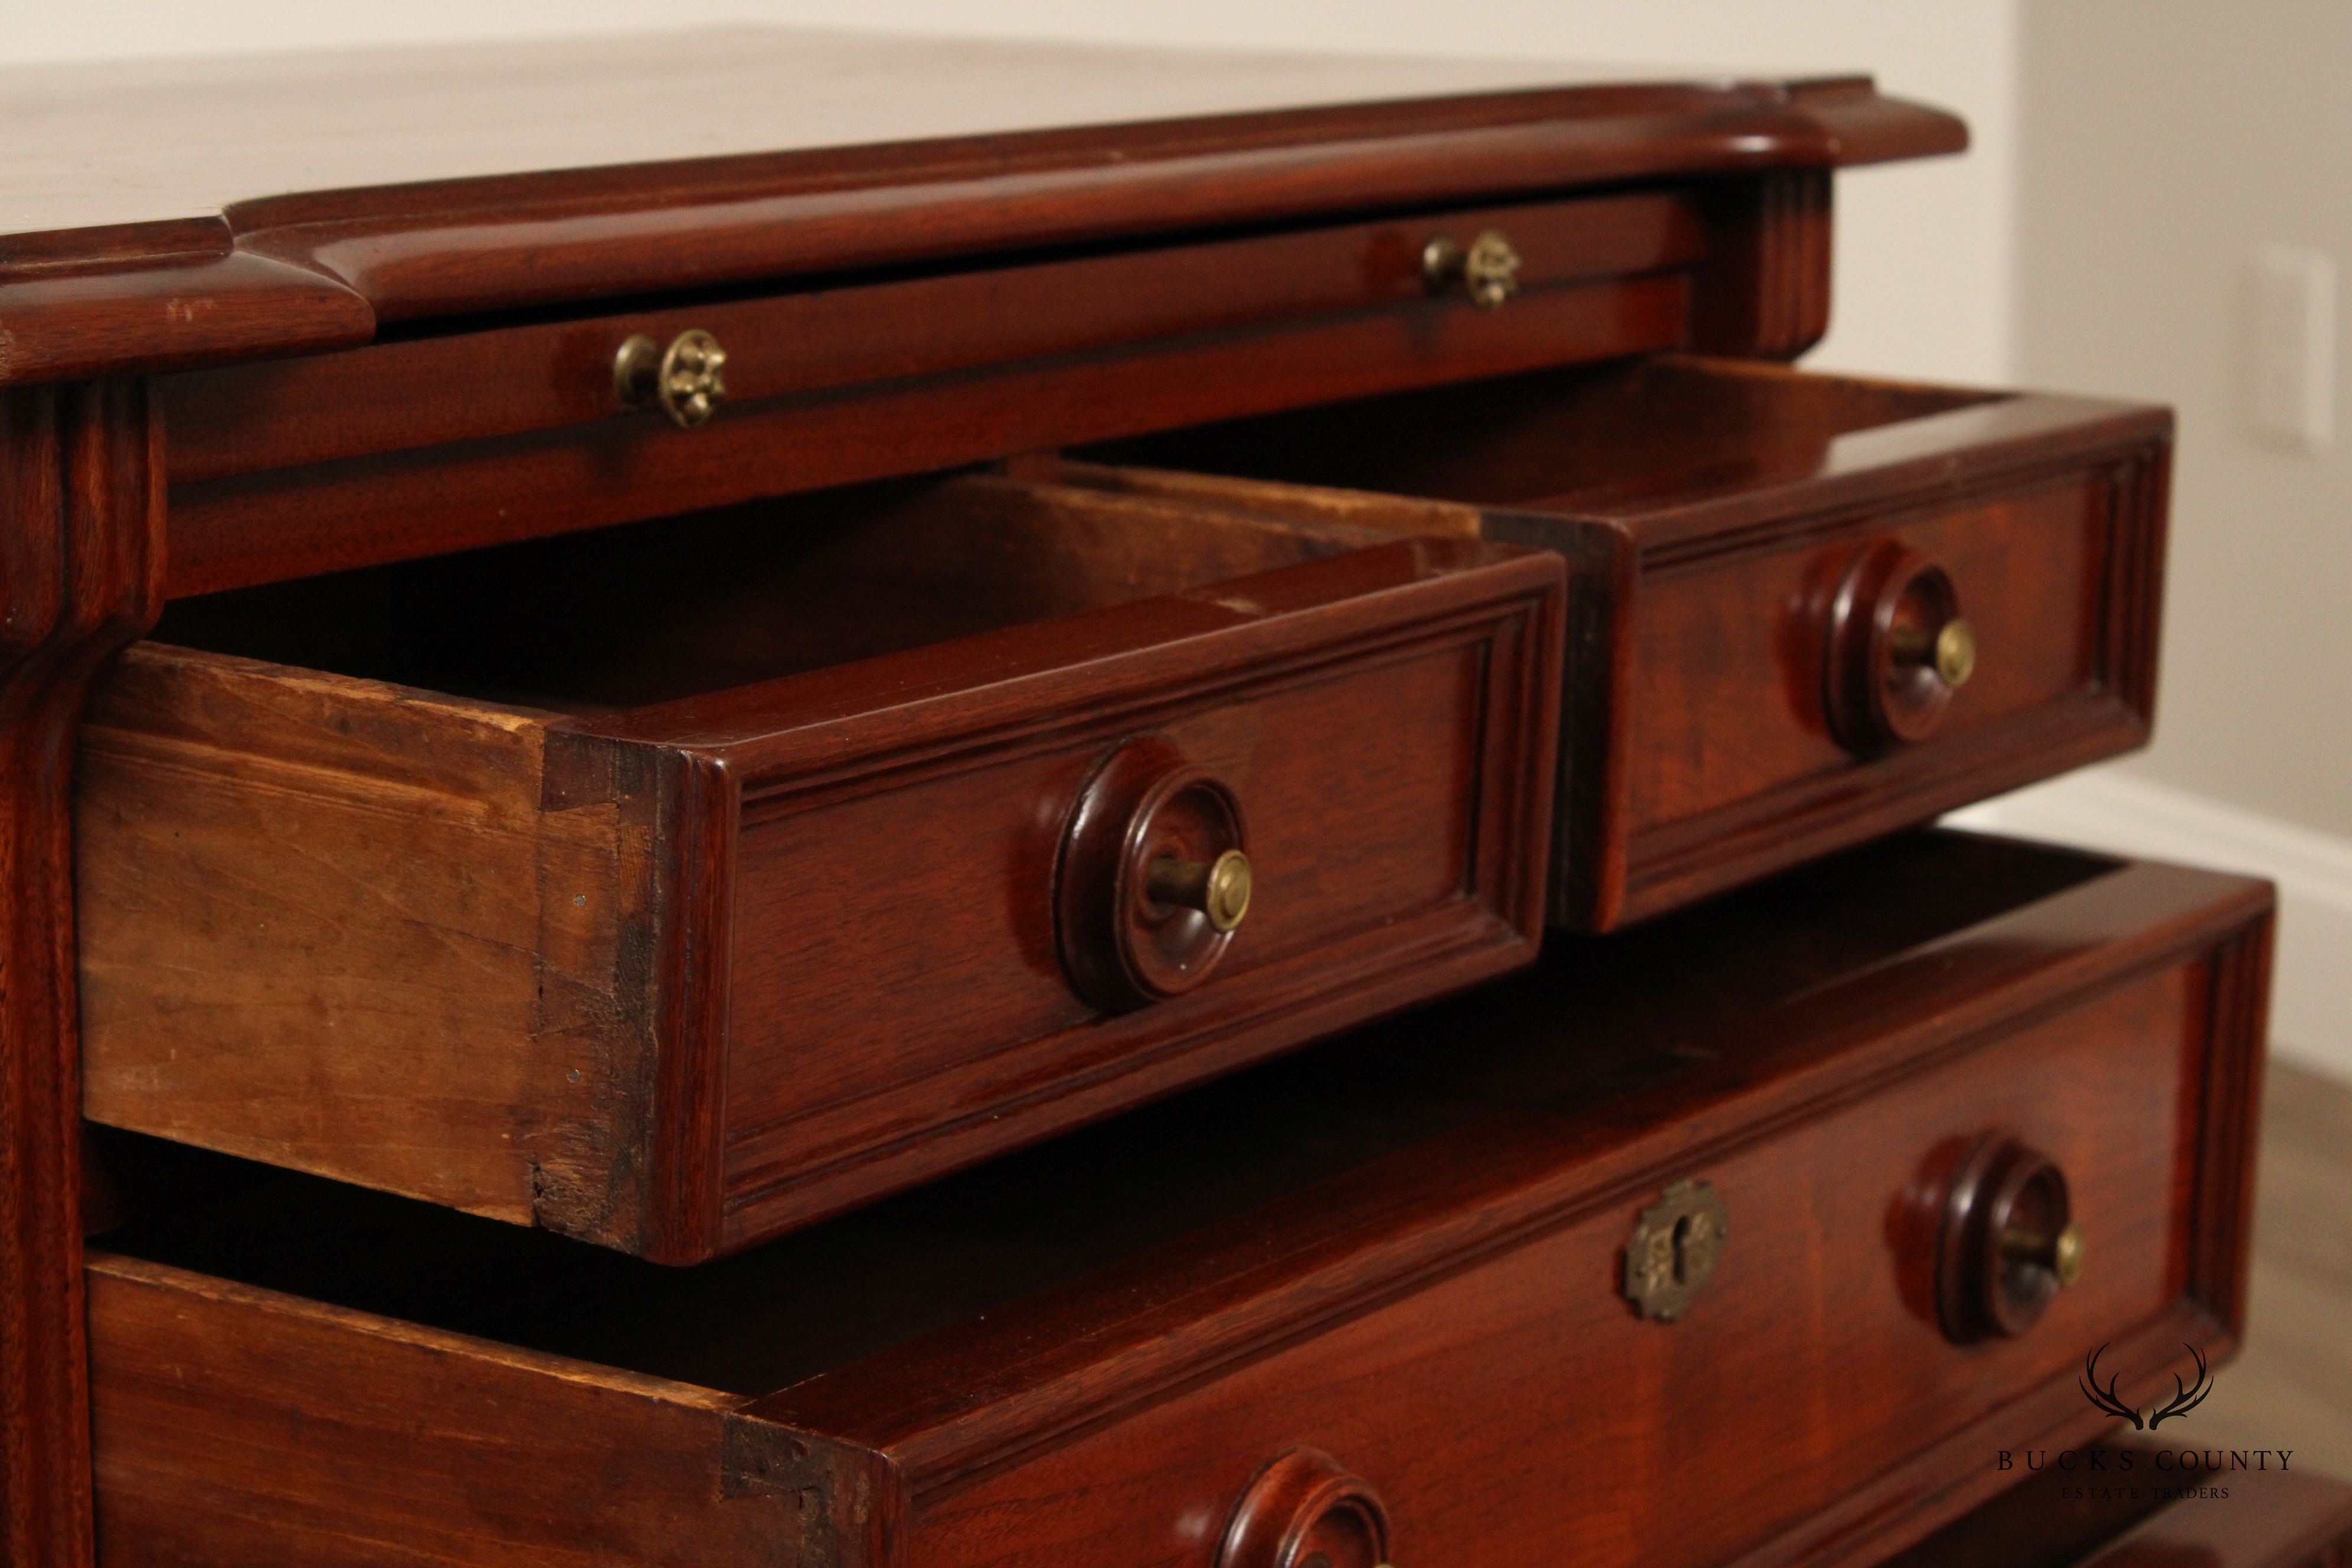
{"x": 2172, "y": 138}
{"x": 1922, "y": 253}
{"x": 2164, "y": 141}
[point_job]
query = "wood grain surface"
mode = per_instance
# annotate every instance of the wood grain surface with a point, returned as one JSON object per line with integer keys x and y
{"x": 1402, "y": 1249}
{"x": 845, "y": 333}
{"x": 81, "y": 560}
{"x": 674, "y": 887}
{"x": 327, "y": 922}
{"x": 1708, "y": 507}
{"x": 170, "y": 215}
{"x": 999, "y": 249}
{"x": 1002, "y": 391}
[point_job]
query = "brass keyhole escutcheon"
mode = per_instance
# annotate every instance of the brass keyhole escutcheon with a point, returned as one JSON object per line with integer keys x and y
{"x": 1488, "y": 271}
{"x": 1676, "y": 1245}
{"x": 687, "y": 379}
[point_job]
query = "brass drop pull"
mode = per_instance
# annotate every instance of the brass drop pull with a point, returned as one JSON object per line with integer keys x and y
{"x": 687, "y": 379}
{"x": 1220, "y": 889}
{"x": 1488, "y": 271}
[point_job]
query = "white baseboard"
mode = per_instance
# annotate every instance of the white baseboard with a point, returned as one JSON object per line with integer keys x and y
{"x": 2311, "y": 1007}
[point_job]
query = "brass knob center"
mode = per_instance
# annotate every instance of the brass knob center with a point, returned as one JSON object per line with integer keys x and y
{"x": 1956, "y": 652}
{"x": 1488, "y": 271}
{"x": 687, "y": 379}
{"x": 2061, "y": 1255}
{"x": 1219, "y": 888}
{"x": 2066, "y": 1255}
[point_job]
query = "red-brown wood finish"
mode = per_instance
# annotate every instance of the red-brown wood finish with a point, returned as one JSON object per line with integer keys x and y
{"x": 841, "y": 334}
{"x": 761, "y": 837}
{"x": 2001, "y": 1200}
{"x": 1302, "y": 1507}
{"x": 987, "y": 249}
{"x": 178, "y": 218}
{"x": 293, "y": 466}
{"x": 81, "y": 541}
{"x": 867, "y": 380}
{"x": 1764, "y": 286}
{"x": 1392, "y": 1262}
{"x": 1713, "y": 511}
{"x": 1422, "y": 873}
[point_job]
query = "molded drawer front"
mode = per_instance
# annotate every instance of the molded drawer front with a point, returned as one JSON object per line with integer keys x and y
{"x": 287, "y": 468}
{"x": 1810, "y": 610}
{"x": 1432, "y": 1293}
{"x": 673, "y": 888}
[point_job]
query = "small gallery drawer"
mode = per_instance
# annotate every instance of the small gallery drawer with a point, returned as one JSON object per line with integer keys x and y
{"x": 1733, "y": 1234}
{"x": 1808, "y": 609}
{"x": 287, "y": 468}
{"x": 674, "y": 885}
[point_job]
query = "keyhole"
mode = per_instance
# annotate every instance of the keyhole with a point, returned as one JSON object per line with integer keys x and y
{"x": 1694, "y": 1246}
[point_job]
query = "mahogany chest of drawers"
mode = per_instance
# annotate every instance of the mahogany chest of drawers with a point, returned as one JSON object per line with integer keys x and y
{"x": 1378, "y": 1295}
{"x": 745, "y": 773}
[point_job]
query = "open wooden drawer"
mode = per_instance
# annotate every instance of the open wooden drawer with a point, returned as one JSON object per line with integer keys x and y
{"x": 1737, "y": 1235}
{"x": 1808, "y": 609}
{"x": 673, "y": 885}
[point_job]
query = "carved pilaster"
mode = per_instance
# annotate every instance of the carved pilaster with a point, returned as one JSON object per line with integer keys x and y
{"x": 82, "y": 564}
{"x": 1763, "y": 291}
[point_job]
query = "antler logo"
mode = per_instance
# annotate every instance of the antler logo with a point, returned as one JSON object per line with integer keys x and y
{"x": 2185, "y": 1398}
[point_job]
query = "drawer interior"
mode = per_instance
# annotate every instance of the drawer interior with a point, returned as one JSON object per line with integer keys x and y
{"x": 1104, "y": 1198}
{"x": 677, "y": 606}
{"x": 1631, "y": 434}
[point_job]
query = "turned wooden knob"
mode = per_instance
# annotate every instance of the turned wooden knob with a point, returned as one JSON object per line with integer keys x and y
{"x": 1154, "y": 879}
{"x": 1898, "y": 649}
{"x": 2008, "y": 1241}
{"x": 1304, "y": 1511}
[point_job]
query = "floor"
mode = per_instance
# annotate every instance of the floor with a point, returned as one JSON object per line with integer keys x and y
{"x": 2292, "y": 1386}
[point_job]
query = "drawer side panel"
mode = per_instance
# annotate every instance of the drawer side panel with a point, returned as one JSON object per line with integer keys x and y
{"x": 235, "y": 1426}
{"x": 325, "y": 924}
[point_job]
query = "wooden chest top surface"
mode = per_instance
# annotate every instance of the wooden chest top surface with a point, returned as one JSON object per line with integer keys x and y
{"x": 292, "y": 203}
